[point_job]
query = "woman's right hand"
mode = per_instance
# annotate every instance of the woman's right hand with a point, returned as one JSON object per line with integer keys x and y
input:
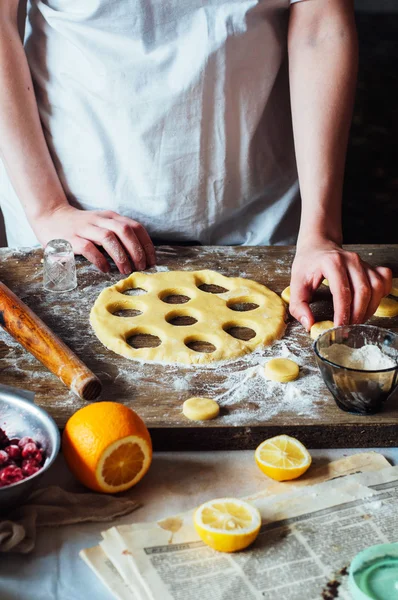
{"x": 126, "y": 241}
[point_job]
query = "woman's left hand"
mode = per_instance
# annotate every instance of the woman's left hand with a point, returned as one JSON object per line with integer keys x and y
{"x": 356, "y": 287}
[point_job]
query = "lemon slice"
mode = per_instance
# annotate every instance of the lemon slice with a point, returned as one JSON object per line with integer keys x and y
{"x": 283, "y": 458}
{"x": 227, "y": 524}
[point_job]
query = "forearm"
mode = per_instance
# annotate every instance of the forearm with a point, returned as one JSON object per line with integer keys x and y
{"x": 322, "y": 69}
{"x": 23, "y": 148}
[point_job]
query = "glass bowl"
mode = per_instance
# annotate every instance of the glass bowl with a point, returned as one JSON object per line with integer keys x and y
{"x": 354, "y": 390}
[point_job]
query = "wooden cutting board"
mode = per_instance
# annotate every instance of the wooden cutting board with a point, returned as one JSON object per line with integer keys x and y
{"x": 252, "y": 409}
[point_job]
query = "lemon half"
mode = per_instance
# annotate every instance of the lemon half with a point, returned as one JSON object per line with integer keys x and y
{"x": 283, "y": 458}
{"x": 227, "y": 524}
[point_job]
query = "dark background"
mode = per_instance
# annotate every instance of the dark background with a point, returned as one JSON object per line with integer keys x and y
{"x": 370, "y": 209}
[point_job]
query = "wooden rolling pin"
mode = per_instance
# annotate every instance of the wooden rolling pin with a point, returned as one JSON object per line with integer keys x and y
{"x": 34, "y": 335}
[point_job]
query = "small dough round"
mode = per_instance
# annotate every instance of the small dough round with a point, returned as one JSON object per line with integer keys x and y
{"x": 325, "y": 282}
{"x": 285, "y": 295}
{"x": 200, "y": 409}
{"x": 388, "y": 307}
{"x": 320, "y": 327}
{"x": 394, "y": 289}
{"x": 281, "y": 369}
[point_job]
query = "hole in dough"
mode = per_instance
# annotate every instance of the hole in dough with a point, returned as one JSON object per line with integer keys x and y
{"x": 126, "y": 312}
{"x": 242, "y": 305}
{"x": 143, "y": 340}
{"x": 181, "y": 320}
{"x": 240, "y": 333}
{"x": 135, "y": 292}
{"x": 174, "y": 297}
{"x": 212, "y": 289}
{"x": 201, "y": 346}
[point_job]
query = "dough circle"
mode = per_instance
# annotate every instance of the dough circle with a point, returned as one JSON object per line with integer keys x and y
{"x": 394, "y": 289}
{"x": 388, "y": 307}
{"x": 285, "y": 295}
{"x": 320, "y": 327}
{"x": 214, "y": 314}
{"x": 200, "y": 409}
{"x": 281, "y": 369}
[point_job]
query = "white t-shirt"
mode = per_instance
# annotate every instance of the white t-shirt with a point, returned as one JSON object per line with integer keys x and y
{"x": 174, "y": 113}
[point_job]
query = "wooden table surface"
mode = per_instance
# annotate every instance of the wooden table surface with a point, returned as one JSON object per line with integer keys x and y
{"x": 251, "y": 408}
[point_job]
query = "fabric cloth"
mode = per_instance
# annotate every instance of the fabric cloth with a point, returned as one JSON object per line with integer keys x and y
{"x": 174, "y": 113}
{"x": 53, "y": 507}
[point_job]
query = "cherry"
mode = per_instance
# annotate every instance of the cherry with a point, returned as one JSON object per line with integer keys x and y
{"x": 19, "y": 458}
{"x": 30, "y": 467}
{"x": 11, "y": 474}
{"x": 29, "y": 450}
{"x": 14, "y": 452}
{"x": 25, "y": 440}
{"x": 4, "y": 458}
{"x": 38, "y": 457}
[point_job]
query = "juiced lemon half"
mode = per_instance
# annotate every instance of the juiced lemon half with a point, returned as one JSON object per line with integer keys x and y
{"x": 227, "y": 524}
{"x": 283, "y": 458}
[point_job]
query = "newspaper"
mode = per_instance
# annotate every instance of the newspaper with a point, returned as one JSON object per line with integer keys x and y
{"x": 308, "y": 538}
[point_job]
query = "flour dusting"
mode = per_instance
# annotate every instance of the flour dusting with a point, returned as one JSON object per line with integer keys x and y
{"x": 366, "y": 358}
{"x": 245, "y": 396}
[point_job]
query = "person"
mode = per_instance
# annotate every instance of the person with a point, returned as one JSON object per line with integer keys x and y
{"x": 185, "y": 121}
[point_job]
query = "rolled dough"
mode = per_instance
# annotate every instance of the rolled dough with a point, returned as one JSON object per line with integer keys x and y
{"x": 213, "y": 315}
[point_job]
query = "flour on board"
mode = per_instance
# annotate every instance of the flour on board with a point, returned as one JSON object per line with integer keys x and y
{"x": 245, "y": 396}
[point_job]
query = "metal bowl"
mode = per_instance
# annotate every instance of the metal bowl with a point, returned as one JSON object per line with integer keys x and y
{"x": 20, "y": 417}
{"x": 354, "y": 390}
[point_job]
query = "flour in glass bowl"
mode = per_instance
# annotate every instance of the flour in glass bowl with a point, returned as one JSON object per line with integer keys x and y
{"x": 367, "y": 358}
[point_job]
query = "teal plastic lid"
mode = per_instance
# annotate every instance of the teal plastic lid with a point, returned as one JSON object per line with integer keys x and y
{"x": 373, "y": 574}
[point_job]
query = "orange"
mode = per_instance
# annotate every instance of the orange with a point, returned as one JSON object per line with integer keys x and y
{"x": 282, "y": 458}
{"x": 107, "y": 447}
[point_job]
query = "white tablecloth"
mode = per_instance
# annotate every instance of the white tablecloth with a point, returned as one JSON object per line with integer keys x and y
{"x": 175, "y": 482}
